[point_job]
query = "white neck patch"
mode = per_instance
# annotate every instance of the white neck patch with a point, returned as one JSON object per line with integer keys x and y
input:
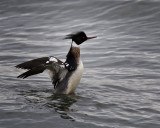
{"x": 74, "y": 44}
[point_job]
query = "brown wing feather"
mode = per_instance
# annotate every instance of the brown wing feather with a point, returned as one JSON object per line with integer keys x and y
{"x": 32, "y": 63}
{"x": 33, "y": 71}
{"x": 37, "y": 66}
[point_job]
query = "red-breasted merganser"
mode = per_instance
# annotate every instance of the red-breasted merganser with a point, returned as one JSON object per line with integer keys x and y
{"x": 66, "y": 75}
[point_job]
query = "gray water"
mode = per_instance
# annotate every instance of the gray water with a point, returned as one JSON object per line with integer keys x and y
{"x": 120, "y": 87}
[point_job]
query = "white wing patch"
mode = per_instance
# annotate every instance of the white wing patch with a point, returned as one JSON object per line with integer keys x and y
{"x": 47, "y": 62}
{"x": 53, "y": 59}
{"x": 66, "y": 64}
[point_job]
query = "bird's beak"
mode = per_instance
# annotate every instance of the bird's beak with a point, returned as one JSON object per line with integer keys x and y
{"x": 91, "y": 37}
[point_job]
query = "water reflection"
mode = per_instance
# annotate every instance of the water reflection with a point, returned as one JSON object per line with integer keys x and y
{"x": 58, "y": 103}
{"x": 61, "y": 104}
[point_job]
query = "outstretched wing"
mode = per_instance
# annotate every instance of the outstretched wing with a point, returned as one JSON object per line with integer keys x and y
{"x": 36, "y": 62}
{"x": 33, "y": 71}
{"x": 37, "y": 66}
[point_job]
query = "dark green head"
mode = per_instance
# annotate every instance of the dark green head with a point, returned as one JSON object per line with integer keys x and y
{"x": 78, "y": 37}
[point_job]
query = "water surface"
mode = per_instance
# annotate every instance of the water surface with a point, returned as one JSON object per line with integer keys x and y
{"x": 120, "y": 85}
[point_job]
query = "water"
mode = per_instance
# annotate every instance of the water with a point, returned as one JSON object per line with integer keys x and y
{"x": 120, "y": 85}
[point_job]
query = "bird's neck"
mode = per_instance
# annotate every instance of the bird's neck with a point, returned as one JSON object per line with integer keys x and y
{"x": 75, "y": 50}
{"x": 74, "y": 44}
{"x": 73, "y": 58}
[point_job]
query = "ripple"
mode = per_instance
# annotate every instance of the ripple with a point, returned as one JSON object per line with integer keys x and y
{"x": 120, "y": 84}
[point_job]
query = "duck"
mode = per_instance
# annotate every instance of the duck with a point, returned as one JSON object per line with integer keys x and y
{"x": 65, "y": 76}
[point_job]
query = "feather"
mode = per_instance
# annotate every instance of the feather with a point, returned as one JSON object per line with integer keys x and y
{"x": 32, "y": 63}
{"x": 33, "y": 71}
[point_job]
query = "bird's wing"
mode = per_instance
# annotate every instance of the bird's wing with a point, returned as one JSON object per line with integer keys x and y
{"x": 36, "y": 62}
{"x": 36, "y": 66}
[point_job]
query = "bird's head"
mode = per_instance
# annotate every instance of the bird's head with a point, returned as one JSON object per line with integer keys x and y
{"x": 78, "y": 37}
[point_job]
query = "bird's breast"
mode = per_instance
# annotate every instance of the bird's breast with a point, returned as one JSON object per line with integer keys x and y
{"x": 75, "y": 78}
